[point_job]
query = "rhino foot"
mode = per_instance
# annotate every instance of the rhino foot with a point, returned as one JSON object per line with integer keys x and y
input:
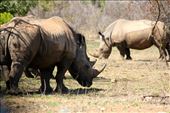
{"x": 62, "y": 90}
{"x": 13, "y": 91}
{"x": 128, "y": 58}
{"x": 46, "y": 91}
{"x": 168, "y": 60}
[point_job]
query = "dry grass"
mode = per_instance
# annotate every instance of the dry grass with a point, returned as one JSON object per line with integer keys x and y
{"x": 137, "y": 86}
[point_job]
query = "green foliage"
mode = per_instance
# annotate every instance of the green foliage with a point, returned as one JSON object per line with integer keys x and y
{"x": 85, "y": 2}
{"x": 100, "y": 3}
{"x": 46, "y": 4}
{"x": 17, "y": 7}
{"x": 5, "y": 17}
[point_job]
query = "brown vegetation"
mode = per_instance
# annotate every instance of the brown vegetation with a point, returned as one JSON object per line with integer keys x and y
{"x": 88, "y": 18}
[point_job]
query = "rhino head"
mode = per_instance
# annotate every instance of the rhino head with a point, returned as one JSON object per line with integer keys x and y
{"x": 105, "y": 47}
{"x": 81, "y": 68}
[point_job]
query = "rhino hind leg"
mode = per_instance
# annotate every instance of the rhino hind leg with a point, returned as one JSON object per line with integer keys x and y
{"x": 16, "y": 71}
{"x": 162, "y": 49}
{"x": 162, "y": 53}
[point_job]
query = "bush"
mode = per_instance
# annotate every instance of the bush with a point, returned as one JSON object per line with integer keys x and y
{"x": 5, "y": 17}
{"x": 17, "y": 7}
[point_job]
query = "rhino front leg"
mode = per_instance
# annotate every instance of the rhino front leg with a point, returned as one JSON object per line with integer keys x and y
{"x": 46, "y": 75}
{"x": 61, "y": 70}
{"x": 16, "y": 71}
{"x": 122, "y": 51}
{"x": 61, "y": 88}
{"x": 168, "y": 50}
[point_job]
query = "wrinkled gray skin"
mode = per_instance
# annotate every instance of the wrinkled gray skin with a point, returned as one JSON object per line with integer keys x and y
{"x": 137, "y": 34}
{"x": 45, "y": 47}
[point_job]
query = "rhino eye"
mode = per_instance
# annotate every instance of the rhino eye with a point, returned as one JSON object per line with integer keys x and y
{"x": 88, "y": 58}
{"x": 107, "y": 38}
{"x": 101, "y": 49}
{"x": 87, "y": 66}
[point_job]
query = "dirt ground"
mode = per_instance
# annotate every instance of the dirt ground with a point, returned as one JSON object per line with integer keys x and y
{"x": 141, "y": 85}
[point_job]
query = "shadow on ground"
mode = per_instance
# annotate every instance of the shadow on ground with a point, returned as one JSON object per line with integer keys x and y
{"x": 84, "y": 91}
{"x": 71, "y": 91}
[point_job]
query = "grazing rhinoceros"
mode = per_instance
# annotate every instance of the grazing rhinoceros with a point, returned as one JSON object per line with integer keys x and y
{"x": 44, "y": 44}
{"x": 137, "y": 34}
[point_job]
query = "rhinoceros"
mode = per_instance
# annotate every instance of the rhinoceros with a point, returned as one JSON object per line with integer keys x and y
{"x": 136, "y": 34}
{"x": 44, "y": 44}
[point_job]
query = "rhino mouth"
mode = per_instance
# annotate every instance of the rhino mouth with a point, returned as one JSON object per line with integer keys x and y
{"x": 85, "y": 83}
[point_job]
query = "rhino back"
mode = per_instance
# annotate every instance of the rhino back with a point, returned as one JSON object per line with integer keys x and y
{"x": 122, "y": 27}
{"x": 25, "y": 44}
{"x": 58, "y": 41}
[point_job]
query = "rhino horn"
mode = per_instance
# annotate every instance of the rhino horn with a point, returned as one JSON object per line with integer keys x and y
{"x": 96, "y": 72}
{"x": 93, "y": 62}
{"x": 101, "y": 34}
{"x": 96, "y": 55}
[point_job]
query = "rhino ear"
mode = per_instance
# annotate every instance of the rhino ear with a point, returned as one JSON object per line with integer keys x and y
{"x": 80, "y": 39}
{"x": 101, "y": 34}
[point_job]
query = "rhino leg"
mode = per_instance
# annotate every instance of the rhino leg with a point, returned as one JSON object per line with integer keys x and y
{"x": 61, "y": 88}
{"x": 161, "y": 49}
{"x": 45, "y": 75}
{"x": 28, "y": 73}
{"x": 16, "y": 71}
{"x": 121, "y": 50}
{"x": 4, "y": 72}
{"x": 127, "y": 51}
{"x": 168, "y": 50}
{"x": 61, "y": 70}
{"x": 161, "y": 45}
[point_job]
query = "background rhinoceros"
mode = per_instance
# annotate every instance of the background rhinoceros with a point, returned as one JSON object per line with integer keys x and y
{"x": 134, "y": 34}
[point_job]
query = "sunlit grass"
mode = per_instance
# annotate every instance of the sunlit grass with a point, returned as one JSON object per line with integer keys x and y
{"x": 119, "y": 88}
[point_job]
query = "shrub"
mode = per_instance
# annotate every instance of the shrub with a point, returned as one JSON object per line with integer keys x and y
{"x": 17, "y": 7}
{"x": 5, "y": 17}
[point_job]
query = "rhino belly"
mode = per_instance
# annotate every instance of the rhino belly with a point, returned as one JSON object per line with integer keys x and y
{"x": 45, "y": 61}
{"x": 50, "y": 59}
{"x": 139, "y": 45}
{"x": 138, "y": 40}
